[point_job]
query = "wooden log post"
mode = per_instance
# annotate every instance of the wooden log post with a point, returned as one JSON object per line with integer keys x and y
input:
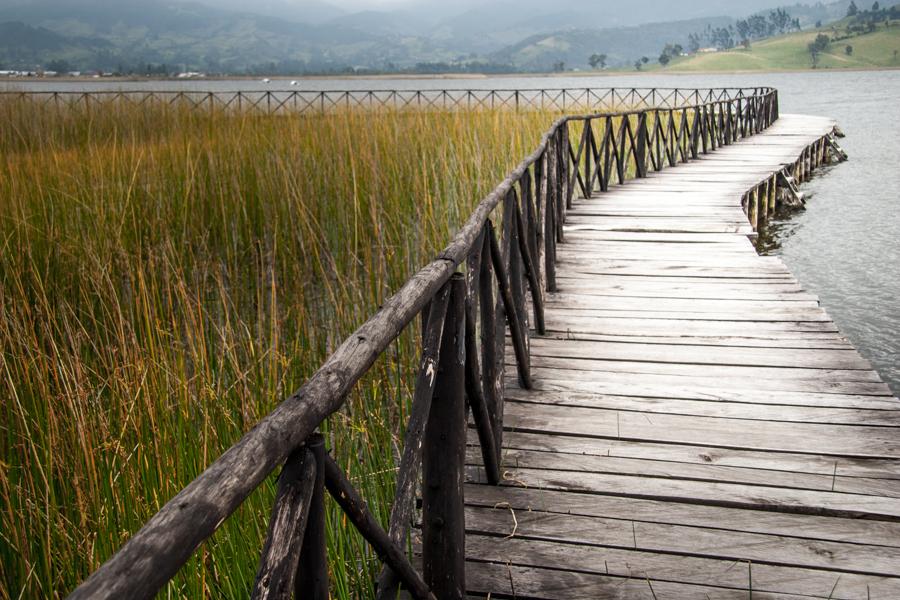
{"x": 590, "y": 152}
{"x": 567, "y": 166}
{"x": 474, "y": 380}
{"x": 408, "y": 472}
{"x": 532, "y": 276}
{"x": 640, "y": 150}
{"x": 695, "y": 133}
{"x": 559, "y": 178}
{"x": 443, "y": 462}
{"x": 605, "y": 155}
{"x": 492, "y": 376}
{"x": 515, "y": 259}
{"x": 619, "y": 147}
{"x": 312, "y": 572}
{"x": 530, "y": 216}
{"x": 549, "y": 221}
{"x": 281, "y": 552}
{"x": 519, "y": 336}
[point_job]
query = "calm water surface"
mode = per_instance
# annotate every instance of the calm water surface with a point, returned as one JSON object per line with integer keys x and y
{"x": 845, "y": 246}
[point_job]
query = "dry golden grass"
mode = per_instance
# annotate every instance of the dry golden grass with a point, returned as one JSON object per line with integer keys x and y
{"x": 168, "y": 276}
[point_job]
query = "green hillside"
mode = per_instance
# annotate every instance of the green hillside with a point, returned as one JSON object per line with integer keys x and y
{"x": 879, "y": 48}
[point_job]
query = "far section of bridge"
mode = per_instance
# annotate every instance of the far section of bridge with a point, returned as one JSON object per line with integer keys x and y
{"x": 618, "y": 397}
{"x": 697, "y": 426}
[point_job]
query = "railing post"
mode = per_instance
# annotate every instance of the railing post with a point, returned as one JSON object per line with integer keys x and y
{"x": 640, "y": 154}
{"x": 278, "y": 562}
{"x": 549, "y": 217}
{"x": 443, "y": 461}
{"x": 312, "y": 572}
{"x": 567, "y": 165}
{"x": 589, "y": 153}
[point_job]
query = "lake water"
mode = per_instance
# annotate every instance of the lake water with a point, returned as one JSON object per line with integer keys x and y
{"x": 845, "y": 246}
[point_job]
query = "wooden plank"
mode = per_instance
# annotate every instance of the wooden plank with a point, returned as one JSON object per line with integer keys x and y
{"x": 640, "y": 467}
{"x": 801, "y": 526}
{"x": 832, "y": 466}
{"x": 808, "y": 341}
{"x": 508, "y": 581}
{"x": 649, "y": 325}
{"x": 738, "y": 495}
{"x": 771, "y": 476}
{"x": 788, "y": 315}
{"x": 706, "y": 389}
{"x": 628, "y": 563}
{"x": 683, "y": 353}
{"x": 592, "y": 370}
{"x": 666, "y": 269}
{"x": 688, "y": 291}
{"x": 856, "y": 440}
{"x": 573, "y": 301}
{"x": 704, "y": 408}
{"x": 708, "y": 542}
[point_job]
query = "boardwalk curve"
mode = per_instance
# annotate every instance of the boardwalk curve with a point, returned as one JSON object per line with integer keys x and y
{"x": 698, "y": 427}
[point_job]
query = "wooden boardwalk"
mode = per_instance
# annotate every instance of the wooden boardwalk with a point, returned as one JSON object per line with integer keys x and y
{"x": 699, "y": 428}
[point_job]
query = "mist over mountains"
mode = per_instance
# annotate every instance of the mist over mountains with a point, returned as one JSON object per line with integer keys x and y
{"x": 297, "y": 36}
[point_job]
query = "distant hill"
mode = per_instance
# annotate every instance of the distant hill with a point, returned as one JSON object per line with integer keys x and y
{"x": 189, "y": 35}
{"x": 302, "y": 36}
{"x": 879, "y": 48}
{"x": 24, "y": 44}
{"x": 621, "y": 45}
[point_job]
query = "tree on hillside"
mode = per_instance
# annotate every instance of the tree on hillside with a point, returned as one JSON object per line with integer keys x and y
{"x": 876, "y": 7}
{"x": 693, "y": 43}
{"x": 664, "y": 59}
{"x": 638, "y": 64}
{"x": 559, "y": 66}
{"x": 816, "y": 47}
{"x": 597, "y": 59}
{"x": 852, "y": 10}
{"x": 848, "y": 50}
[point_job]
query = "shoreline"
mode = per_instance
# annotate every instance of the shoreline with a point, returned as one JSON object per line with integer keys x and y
{"x": 443, "y": 76}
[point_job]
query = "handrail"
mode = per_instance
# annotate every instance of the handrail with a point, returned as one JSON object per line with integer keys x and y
{"x": 459, "y": 359}
{"x": 277, "y": 101}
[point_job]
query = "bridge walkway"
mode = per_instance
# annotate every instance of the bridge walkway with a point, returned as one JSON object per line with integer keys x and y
{"x": 699, "y": 428}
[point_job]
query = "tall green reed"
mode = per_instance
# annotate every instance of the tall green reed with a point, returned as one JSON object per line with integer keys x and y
{"x": 167, "y": 276}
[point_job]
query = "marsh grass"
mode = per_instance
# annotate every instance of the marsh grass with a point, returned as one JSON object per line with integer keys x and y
{"x": 168, "y": 276}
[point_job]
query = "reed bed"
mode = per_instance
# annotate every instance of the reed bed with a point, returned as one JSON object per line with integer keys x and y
{"x": 167, "y": 276}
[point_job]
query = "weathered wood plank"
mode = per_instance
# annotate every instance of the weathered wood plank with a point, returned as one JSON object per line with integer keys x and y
{"x": 709, "y": 542}
{"x": 818, "y": 358}
{"x": 802, "y": 526}
{"x": 808, "y": 341}
{"x": 711, "y": 389}
{"x": 629, "y": 563}
{"x": 832, "y": 466}
{"x": 592, "y": 369}
{"x": 712, "y": 408}
{"x": 511, "y": 581}
{"x": 856, "y": 440}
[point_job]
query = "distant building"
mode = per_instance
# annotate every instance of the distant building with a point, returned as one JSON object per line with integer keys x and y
{"x": 707, "y": 50}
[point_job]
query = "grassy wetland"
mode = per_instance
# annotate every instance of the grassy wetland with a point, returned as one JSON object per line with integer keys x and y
{"x": 168, "y": 276}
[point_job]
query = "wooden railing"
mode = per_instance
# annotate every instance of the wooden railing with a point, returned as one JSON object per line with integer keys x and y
{"x": 300, "y": 101}
{"x": 508, "y": 261}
